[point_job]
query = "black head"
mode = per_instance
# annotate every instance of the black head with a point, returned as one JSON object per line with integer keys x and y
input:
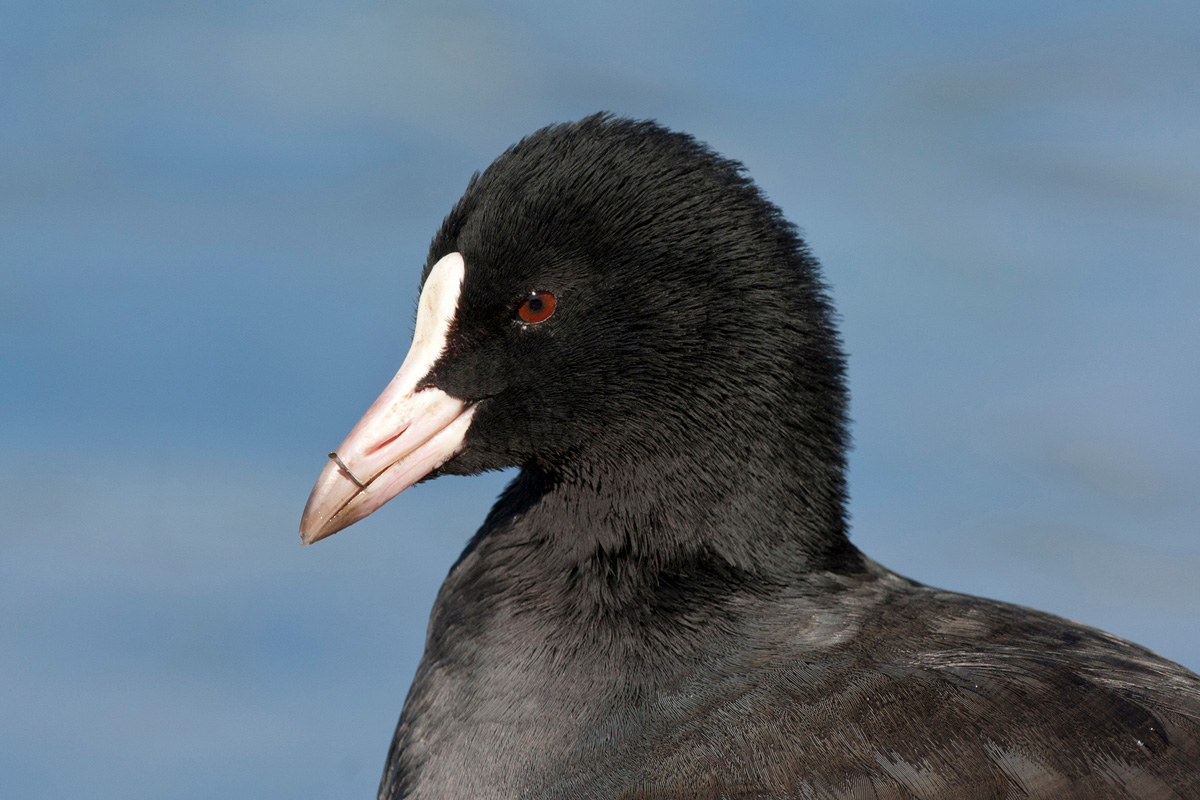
{"x": 690, "y": 339}
{"x": 618, "y": 310}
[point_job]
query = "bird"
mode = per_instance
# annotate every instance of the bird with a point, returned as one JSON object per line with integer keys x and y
{"x": 665, "y": 603}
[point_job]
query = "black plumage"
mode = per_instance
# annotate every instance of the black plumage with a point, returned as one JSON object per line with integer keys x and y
{"x": 665, "y": 602}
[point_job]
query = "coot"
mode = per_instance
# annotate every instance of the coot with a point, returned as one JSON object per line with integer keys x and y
{"x": 664, "y": 603}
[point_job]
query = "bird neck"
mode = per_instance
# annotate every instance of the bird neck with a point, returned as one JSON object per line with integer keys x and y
{"x": 602, "y": 540}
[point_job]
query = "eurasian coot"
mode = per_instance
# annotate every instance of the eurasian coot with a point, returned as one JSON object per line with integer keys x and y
{"x": 664, "y": 603}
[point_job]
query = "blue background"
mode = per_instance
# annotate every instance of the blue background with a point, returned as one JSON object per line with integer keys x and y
{"x": 212, "y": 219}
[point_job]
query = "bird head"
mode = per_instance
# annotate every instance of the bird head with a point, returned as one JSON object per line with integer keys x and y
{"x": 608, "y": 297}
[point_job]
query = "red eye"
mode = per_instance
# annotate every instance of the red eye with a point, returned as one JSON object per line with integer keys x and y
{"x": 538, "y": 307}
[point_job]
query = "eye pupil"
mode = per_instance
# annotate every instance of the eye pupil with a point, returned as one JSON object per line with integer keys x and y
{"x": 537, "y": 307}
